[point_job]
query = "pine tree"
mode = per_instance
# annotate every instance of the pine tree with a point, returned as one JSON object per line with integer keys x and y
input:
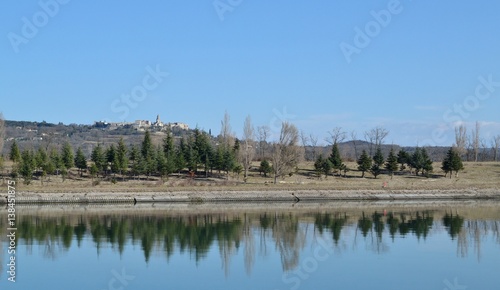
{"x": 99, "y": 158}
{"x": 229, "y": 161}
{"x": 378, "y": 158}
{"x": 417, "y": 160}
{"x": 364, "y": 163}
{"x": 392, "y": 163}
{"x": 147, "y": 149}
{"x": 27, "y": 166}
{"x": 42, "y": 159}
{"x": 318, "y": 165}
{"x": 203, "y": 149}
{"x": 15, "y": 154}
{"x": 265, "y": 167}
{"x": 403, "y": 158}
{"x": 55, "y": 161}
{"x": 80, "y": 161}
{"x": 93, "y": 170}
{"x": 134, "y": 155}
{"x": 452, "y": 162}
{"x": 121, "y": 157}
{"x": 427, "y": 163}
{"x": 168, "y": 145}
{"x": 335, "y": 159}
{"x": 180, "y": 161}
{"x": 161, "y": 162}
{"x": 67, "y": 156}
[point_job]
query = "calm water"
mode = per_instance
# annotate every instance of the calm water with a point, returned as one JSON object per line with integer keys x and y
{"x": 450, "y": 246}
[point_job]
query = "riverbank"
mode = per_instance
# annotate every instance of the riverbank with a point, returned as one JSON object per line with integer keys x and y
{"x": 301, "y": 195}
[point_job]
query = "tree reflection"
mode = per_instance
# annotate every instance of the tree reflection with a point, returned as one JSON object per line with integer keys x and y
{"x": 454, "y": 224}
{"x": 197, "y": 234}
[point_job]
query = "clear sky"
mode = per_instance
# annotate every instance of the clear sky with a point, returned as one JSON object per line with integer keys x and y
{"x": 416, "y": 68}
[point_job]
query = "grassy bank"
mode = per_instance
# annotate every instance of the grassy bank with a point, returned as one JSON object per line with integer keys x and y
{"x": 480, "y": 175}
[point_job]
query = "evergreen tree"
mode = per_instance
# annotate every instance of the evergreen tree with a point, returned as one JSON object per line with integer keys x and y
{"x": 27, "y": 166}
{"x": 378, "y": 161}
{"x": 112, "y": 160}
{"x": 55, "y": 161}
{"x": 41, "y": 158}
{"x": 364, "y": 163}
{"x": 138, "y": 164}
{"x": 161, "y": 163}
{"x": 229, "y": 161}
{"x": 179, "y": 161}
{"x": 427, "y": 165}
{"x": 392, "y": 162}
{"x": 99, "y": 158}
{"x": 219, "y": 158}
{"x": 134, "y": 155}
{"x": 335, "y": 159}
{"x": 150, "y": 165}
{"x": 147, "y": 149}
{"x": 93, "y": 170}
{"x": 203, "y": 149}
{"x": 417, "y": 160}
{"x": 452, "y": 162}
{"x": 170, "y": 154}
{"x": 168, "y": 145}
{"x": 324, "y": 165}
{"x": 67, "y": 156}
{"x": 121, "y": 157}
{"x": 421, "y": 162}
{"x": 403, "y": 158}
{"x": 15, "y": 154}
{"x": 190, "y": 153}
{"x": 265, "y": 167}
{"x": 236, "y": 146}
{"x": 80, "y": 161}
{"x": 378, "y": 158}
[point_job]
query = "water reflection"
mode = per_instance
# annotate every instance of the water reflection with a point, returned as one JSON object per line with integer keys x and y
{"x": 166, "y": 233}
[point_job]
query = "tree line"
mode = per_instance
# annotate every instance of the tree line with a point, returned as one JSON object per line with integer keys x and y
{"x": 197, "y": 153}
{"x": 417, "y": 162}
{"x": 200, "y": 153}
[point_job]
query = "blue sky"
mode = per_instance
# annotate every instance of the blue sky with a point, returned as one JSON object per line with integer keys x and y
{"x": 418, "y": 68}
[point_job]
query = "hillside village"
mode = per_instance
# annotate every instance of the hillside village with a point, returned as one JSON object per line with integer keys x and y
{"x": 35, "y": 134}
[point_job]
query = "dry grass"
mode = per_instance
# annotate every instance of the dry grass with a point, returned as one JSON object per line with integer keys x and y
{"x": 484, "y": 175}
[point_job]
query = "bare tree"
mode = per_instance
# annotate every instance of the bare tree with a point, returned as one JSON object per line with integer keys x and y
{"x": 264, "y": 132}
{"x": 286, "y": 153}
{"x": 248, "y": 146}
{"x": 314, "y": 145}
{"x": 476, "y": 141}
{"x": 375, "y": 137}
{"x": 354, "y": 136}
{"x": 304, "y": 140}
{"x": 336, "y": 136}
{"x": 226, "y": 131}
{"x": 484, "y": 155}
{"x": 461, "y": 139}
{"x": 495, "y": 144}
